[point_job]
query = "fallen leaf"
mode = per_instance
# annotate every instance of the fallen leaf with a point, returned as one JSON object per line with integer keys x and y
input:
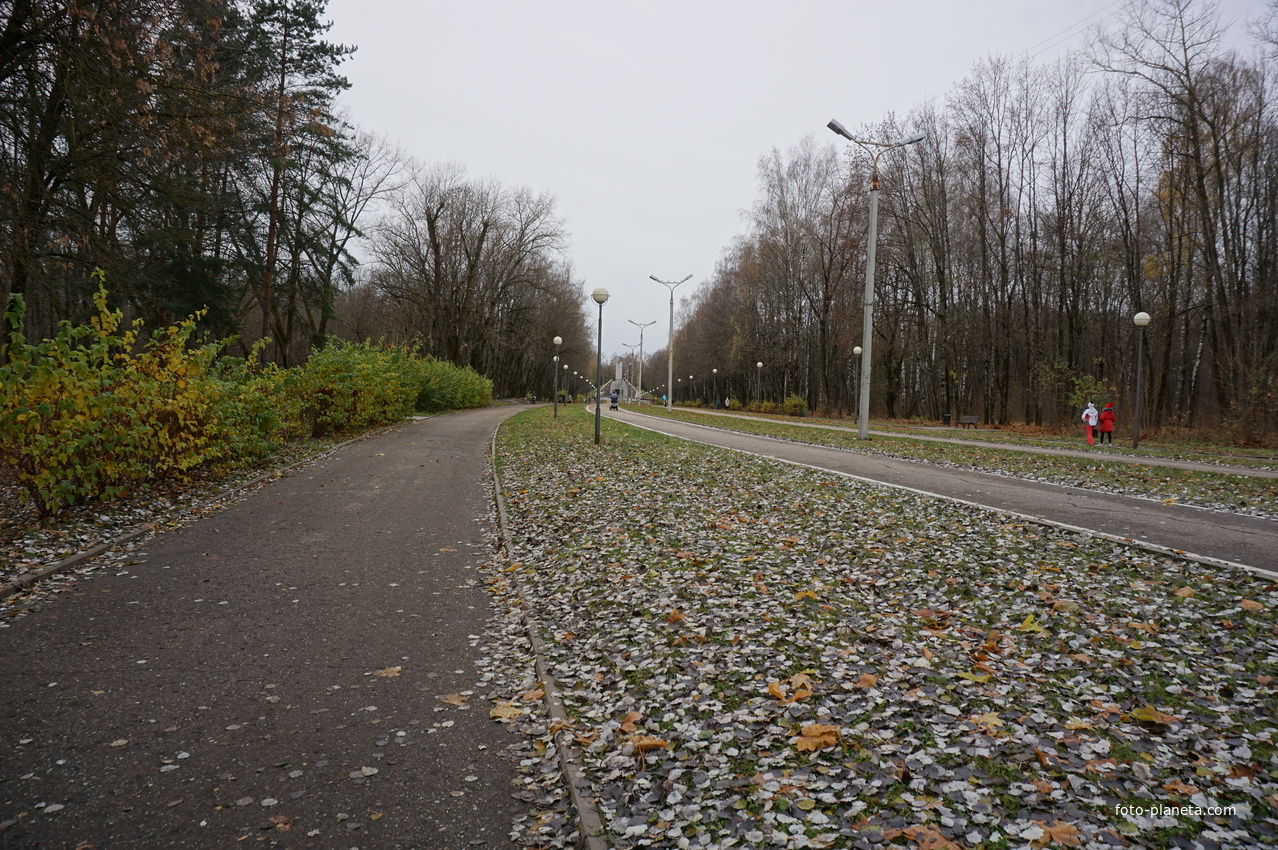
{"x": 1185, "y": 592}
{"x": 867, "y": 681}
{"x": 1031, "y": 625}
{"x": 1178, "y": 787}
{"x": 644, "y": 743}
{"x": 817, "y": 736}
{"x": 629, "y": 721}
{"x": 1251, "y": 605}
{"x": 1149, "y": 716}
{"x": 282, "y": 822}
{"x": 989, "y": 721}
{"x": 675, "y": 616}
{"x": 533, "y": 695}
{"x": 453, "y": 699}
{"x": 505, "y": 711}
{"x": 1060, "y": 833}
{"x": 389, "y": 672}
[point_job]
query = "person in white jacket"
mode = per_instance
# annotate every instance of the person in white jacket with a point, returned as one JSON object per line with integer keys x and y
{"x": 1090, "y": 418}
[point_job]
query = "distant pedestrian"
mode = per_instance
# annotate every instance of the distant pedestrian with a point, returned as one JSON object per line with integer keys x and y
{"x": 727, "y": 403}
{"x": 1107, "y": 424}
{"x": 1090, "y": 418}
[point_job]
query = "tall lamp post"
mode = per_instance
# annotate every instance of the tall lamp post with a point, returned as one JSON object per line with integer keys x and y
{"x": 641, "y": 326}
{"x": 670, "y": 346}
{"x": 867, "y": 331}
{"x": 1139, "y": 320}
{"x": 714, "y": 380}
{"x": 555, "y": 401}
{"x": 758, "y": 370}
{"x": 856, "y": 351}
{"x": 600, "y": 295}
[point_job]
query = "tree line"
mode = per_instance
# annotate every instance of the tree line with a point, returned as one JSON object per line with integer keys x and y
{"x": 193, "y": 152}
{"x": 1045, "y": 207}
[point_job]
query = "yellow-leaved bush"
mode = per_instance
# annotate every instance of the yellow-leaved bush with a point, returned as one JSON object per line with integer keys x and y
{"x": 100, "y": 408}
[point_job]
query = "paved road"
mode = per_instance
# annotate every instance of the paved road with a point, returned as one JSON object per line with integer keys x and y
{"x": 1229, "y": 537}
{"x": 1106, "y": 455}
{"x": 235, "y": 665}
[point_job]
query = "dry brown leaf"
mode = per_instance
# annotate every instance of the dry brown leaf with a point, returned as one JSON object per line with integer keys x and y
{"x": 1178, "y": 787}
{"x": 675, "y": 616}
{"x": 533, "y": 696}
{"x": 817, "y": 736}
{"x": 1185, "y": 592}
{"x": 505, "y": 711}
{"x": 1251, "y": 605}
{"x": 928, "y": 838}
{"x": 1059, "y": 833}
{"x": 453, "y": 699}
{"x": 282, "y": 822}
{"x": 867, "y": 681}
{"x": 389, "y": 672}
{"x": 629, "y": 721}
{"x": 644, "y": 743}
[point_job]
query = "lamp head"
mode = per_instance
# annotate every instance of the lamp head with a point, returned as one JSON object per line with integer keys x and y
{"x": 840, "y": 129}
{"x": 1140, "y": 319}
{"x": 559, "y": 340}
{"x": 910, "y": 139}
{"x": 600, "y": 295}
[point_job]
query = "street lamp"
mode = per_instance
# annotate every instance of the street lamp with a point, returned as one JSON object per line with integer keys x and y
{"x": 867, "y": 331}
{"x": 555, "y": 401}
{"x": 759, "y": 371}
{"x": 600, "y": 295}
{"x": 714, "y": 379}
{"x": 1139, "y": 320}
{"x": 856, "y": 352}
{"x": 641, "y": 326}
{"x": 670, "y": 346}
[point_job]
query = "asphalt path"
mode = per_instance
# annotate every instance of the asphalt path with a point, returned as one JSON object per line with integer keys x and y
{"x": 1219, "y": 535}
{"x": 269, "y": 673}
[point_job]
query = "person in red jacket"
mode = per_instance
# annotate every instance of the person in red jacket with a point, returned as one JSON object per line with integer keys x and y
{"x": 1107, "y": 424}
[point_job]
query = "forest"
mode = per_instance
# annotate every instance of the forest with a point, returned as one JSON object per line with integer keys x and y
{"x": 191, "y": 155}
{"x": 1045, "y": 207}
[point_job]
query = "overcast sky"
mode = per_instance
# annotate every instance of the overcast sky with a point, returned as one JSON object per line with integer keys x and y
{"x": 646, "y": 120}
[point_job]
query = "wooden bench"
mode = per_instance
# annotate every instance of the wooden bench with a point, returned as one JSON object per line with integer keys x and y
{"x": 970, "y": 420}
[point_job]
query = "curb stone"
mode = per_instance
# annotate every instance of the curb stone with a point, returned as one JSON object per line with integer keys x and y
{"x": 589, "y": 823}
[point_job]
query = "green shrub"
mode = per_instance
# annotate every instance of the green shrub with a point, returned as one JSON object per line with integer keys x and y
{"x": 795, "y": 405}
{"x": 448, "y": 387}
{"x": 350, "y": 386}
{"x": 98, "y": 408}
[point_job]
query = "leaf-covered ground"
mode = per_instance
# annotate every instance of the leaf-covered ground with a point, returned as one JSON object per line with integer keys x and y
{"x": 755, "y": 655}
{"x": 1217, "y": 490}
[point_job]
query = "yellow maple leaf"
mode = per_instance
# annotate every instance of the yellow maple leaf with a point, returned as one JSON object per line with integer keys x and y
{"x": 989, "y": 721}
{"x": 1031, "y": 625}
